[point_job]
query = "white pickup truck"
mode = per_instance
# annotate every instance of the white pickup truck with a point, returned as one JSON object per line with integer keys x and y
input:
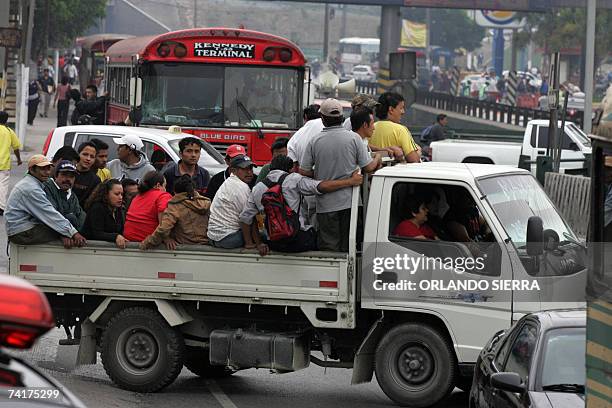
{"x": 217, "y": 311}
{"x": 575, "y": 145}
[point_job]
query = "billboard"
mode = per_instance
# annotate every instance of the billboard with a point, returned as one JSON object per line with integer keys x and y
{"x": 498, "y": 19}
{"x": 414, "y": 35}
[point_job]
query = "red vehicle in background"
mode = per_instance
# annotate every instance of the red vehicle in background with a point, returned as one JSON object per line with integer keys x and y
{"x": 91, "y": 64}
{"x": 227, "y": 86}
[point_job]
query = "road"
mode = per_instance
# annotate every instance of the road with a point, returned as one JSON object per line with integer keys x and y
{"x": 313, "y": 386}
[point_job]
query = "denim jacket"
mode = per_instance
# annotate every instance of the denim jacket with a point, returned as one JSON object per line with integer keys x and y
{"x": 28, "y": 205}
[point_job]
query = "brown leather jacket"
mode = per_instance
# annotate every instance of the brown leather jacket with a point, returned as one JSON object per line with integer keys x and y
{"x": 185, "y": 220}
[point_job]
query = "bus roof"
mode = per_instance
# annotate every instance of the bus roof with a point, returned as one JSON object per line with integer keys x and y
{"x": 359, "y": 40}
{"x": 91, "y": 41}
{"x": 125, "y": 49}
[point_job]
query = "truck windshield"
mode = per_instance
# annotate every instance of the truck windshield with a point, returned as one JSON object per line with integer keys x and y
{"x": 515, "y": 198}
{"x": 209, "y": 95}
{"x": 577, "y": 134}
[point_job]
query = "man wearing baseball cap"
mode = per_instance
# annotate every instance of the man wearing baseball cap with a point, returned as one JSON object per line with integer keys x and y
{"x": 335, "y": 154}
{"x": 59, "y": 192}
{"x": 132, "y": 162}
{"x": 360, "y": 101}
{"x": 218, "y": 179}
{"x": 30, "y": 217}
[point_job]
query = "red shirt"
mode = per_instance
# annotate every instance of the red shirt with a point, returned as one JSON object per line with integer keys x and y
{"x": 142, "y": 216}
{"x": 409, "y": 229}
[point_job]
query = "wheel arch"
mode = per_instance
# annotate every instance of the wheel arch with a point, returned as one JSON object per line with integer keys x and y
{"x": 172, "y": 312}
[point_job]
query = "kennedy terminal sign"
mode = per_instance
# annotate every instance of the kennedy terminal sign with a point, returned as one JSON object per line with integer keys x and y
{"x": 511, "y": 5}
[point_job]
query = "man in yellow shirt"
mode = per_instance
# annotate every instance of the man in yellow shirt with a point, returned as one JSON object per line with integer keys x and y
{"x": 8, "y": 141}
{"x": 389, "y": 131}
{"x": 101, "y": 159}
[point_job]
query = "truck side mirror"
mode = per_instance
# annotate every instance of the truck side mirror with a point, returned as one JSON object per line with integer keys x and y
{"x": 535, "y": 236}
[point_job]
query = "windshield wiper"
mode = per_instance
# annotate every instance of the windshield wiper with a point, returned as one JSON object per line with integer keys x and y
{"x": 574, "y": 388}
{"x": 250, "y": 118}
{"x": 573, "y": 241}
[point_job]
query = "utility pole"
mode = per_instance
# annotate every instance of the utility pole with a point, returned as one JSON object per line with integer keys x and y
{"x": 326, "y": 35}
{"x": 343, "y": 23}
{"x": 589, "y": 66}
{"x": 428, "y": 38}
{"x": 28, "y": 47}
{"x": 195, "y": 13}
{"x": 514, "y": 50}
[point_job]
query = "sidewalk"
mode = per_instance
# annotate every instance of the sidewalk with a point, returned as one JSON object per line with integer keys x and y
{"x": 37, "y": 134}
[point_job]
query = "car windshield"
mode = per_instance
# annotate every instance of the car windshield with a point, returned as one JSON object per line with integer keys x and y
{"x": 209, "y": 156}
{"x": 563, "y": 359}
{"x": 517, "y": 197}
{"x": 220, "y": 96}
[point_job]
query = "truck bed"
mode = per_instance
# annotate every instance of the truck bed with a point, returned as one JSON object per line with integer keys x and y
{"x": 189, "y": 273}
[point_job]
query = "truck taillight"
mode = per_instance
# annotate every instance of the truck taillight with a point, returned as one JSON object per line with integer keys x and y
{"x": 47, "y": 143}
{"x": 25, "y": 314}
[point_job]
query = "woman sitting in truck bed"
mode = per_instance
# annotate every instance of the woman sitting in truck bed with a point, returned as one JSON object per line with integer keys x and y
{"x": 105, "y": 216}
{"x": 186, "y": 218}
{"x": 415, "y": 226}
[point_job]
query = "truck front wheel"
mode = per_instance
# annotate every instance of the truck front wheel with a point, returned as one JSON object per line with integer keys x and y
{"x": 415, "y": 365}
{"x": 140, "y": 351}
{"x": 198, "y": 362}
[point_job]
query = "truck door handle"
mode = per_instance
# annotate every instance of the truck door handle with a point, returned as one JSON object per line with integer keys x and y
{"x": 541, "y": 152}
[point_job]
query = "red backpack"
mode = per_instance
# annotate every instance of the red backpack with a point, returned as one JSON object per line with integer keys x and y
{"x": 282, "y": 223}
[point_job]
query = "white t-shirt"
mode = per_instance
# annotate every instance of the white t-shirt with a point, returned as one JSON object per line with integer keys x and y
{"x": 230, "y": 200}
{"x": 298, "y": 142}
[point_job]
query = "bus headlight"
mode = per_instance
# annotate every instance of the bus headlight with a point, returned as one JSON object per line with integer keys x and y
{"x": 163, "y": 50}
{"x": 180, "y": 50}
{"x": 269, "y": 54}
{"x": 285, "y": 54}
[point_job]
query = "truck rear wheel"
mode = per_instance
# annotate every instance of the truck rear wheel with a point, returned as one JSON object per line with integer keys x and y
{"x": 140, "y": 351}
{"x": 197, "y": 361}
{"x": 415, "y": 365}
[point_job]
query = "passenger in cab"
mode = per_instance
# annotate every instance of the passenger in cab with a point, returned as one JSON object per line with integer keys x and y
{"x": 334, "y": 154}
{"x": 59, "y": 191}
{"x": 30, "y": 217}
{"x": 218, "y": 179}
{"x": 105, "y": 216}
{"x": 279, "y": 147}
{"x": 130, "y": 190}
{"x": 190, "y": 149}
{"x": 389, "y": 131}
{"x": 145, "y": 211}
{"x": 86, "y": 178}
{"x": 132, "y": 162}
{"x": 463, "y": 220}
{"x": 294, "y": 188}
{"x": 415, "y": 224}
{"x": 224, "y": 229}
{"x": 185, "y": 220}
{"x": 101, "y": 159}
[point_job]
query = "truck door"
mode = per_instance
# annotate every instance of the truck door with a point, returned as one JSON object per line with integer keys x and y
{"x": 391, "y": 280}
{"x": 570, "y": 149}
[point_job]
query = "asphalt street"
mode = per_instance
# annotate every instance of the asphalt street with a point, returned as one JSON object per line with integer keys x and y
{"x": 312, "y": 387}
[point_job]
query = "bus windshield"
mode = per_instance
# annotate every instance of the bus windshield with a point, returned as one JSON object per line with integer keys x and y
{"x": 220, "y": 96}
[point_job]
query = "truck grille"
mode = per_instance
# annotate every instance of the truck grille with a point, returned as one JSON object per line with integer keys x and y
{"x": 222, "y": 147}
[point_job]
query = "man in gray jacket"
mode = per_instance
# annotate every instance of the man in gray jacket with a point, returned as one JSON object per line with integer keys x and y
{"x": 30, "y": 217}
{"x": 132, "y": 162}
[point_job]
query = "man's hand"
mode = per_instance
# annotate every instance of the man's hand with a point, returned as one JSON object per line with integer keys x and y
{"x": 356, "y": 178}
{"x": 170, "y": 244}
{"x": 122, "y": 242}
{"x": 19, "y": 162}
{"x": 263, "y": 249}
{"x": 78, "y": 240}
{"x": 67, "y": 242}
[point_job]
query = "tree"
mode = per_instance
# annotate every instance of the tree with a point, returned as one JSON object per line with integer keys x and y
{"x": 450, "y": 28}
{"x": 57, "y": 23}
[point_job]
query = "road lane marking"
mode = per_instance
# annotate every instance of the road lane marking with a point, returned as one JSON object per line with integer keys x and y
{"x": 219, "y": 395}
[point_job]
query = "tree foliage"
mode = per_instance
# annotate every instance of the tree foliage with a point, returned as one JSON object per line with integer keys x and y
{"x": 57, "y": 23}
{"x": 450, "y": 28}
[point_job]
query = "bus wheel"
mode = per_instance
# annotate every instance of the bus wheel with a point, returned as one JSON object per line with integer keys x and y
{"x": 140, "y": 351}
{"x": 415, "y": 366}
{"x": 197, "y": 361}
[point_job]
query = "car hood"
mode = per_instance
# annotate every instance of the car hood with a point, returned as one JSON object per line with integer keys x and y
{"x": 551, "y": 399}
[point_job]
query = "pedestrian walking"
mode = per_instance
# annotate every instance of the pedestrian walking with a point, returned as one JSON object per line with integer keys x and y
{"x": 70, "y": 70}
{"x": 62, "y": 101}
{"x": 33, "y": 100}
{"x": 8, "y": 141}
{"x": 47, "y": 86}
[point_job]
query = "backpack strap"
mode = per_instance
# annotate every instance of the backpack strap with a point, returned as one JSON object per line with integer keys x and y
{"x": 269, "y": 183}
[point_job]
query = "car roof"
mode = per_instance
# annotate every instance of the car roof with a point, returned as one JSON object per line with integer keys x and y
{"x": 440, "y": 170}
{"x": 550, "y": 319}
{"x": 142, "y": 132}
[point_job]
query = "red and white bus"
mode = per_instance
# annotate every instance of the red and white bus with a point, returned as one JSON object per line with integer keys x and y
{"x": 91, "y": 64}
{"x": 224, "y": 85}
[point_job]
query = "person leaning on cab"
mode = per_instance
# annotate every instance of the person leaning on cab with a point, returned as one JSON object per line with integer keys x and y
{"x": 105, "y": 216}
{"x": 186, "y": 218}
{"x": 30, "y": 217}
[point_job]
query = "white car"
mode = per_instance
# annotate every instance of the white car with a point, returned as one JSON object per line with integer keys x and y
{"x": 363, "y": 73}
{"x": 153, "y": 139}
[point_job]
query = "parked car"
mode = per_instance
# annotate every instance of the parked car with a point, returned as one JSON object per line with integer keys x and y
{"x": 25, "y": 315}
{"x": 363, "y": 73}
{"x": 153, "y": 139}
{"x": 539, "y": 362}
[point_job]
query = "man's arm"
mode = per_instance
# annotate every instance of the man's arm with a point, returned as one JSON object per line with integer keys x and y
{"x": 18, "y": 156}
{"x": 329, "y": 186}
{"x": 375, "y": 164}
{"x": 163, "y": 230}
{"x": 40, "y": 207}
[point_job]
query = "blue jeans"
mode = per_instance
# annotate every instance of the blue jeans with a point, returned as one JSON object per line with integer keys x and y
{"x": 232, "y": 241}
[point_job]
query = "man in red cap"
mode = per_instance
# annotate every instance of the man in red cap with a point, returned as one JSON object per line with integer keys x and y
{"x": 215, "y": 182}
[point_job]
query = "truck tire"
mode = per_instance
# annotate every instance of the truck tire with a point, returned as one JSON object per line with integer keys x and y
{"x": 140, "y": 351}
{"x": 197, "y": 361}
{"x": 415, "y": 365}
